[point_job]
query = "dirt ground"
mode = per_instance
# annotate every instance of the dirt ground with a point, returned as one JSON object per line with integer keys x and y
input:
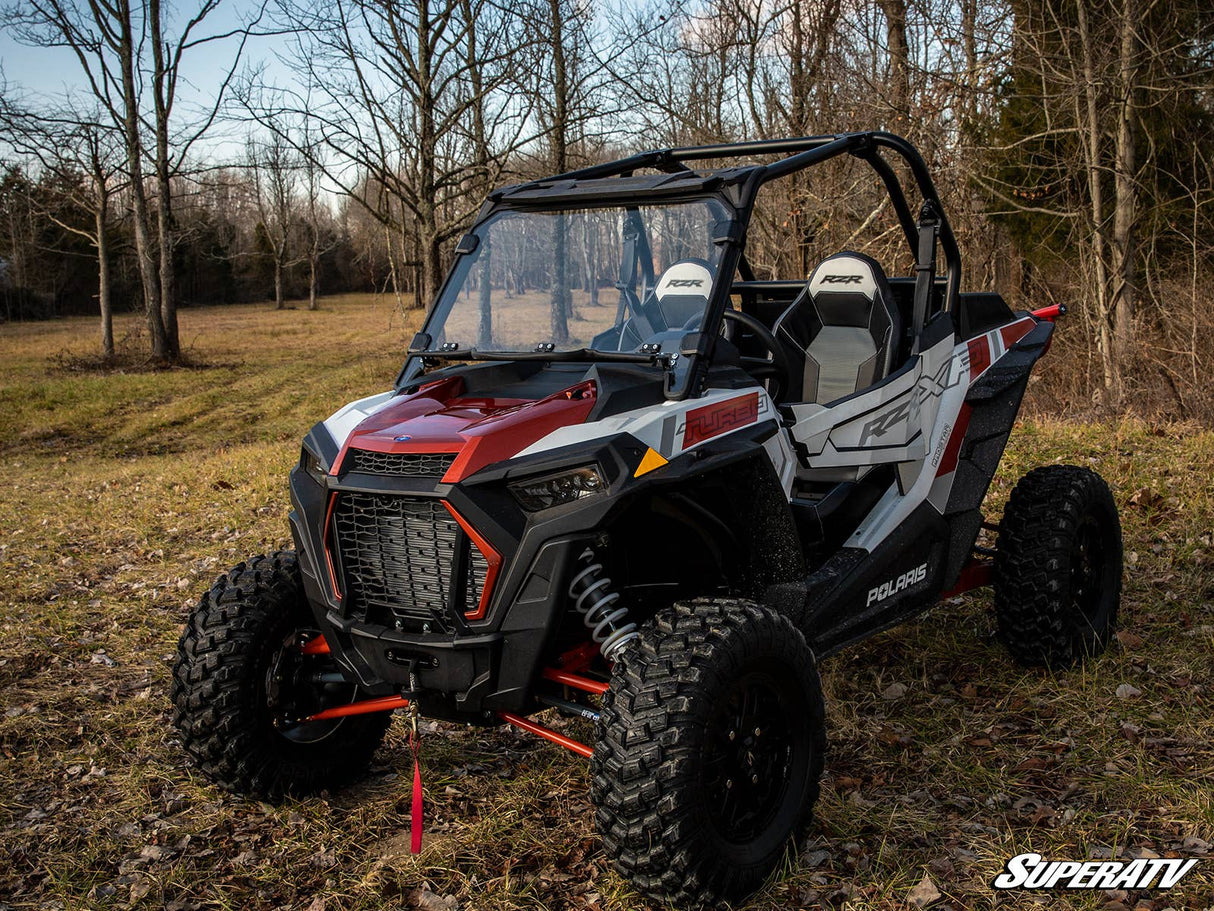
{"x": 127, "y": 492}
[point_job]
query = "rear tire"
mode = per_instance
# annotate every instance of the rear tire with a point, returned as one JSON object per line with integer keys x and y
{"x": 1058, "y": 567}
{"x": 695, "y": 807}
{"x": 240, "y": 684}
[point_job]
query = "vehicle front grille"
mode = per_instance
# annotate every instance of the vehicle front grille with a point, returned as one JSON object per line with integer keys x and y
{"x": 399, "y": 553}
{"x": 400, "y": 464}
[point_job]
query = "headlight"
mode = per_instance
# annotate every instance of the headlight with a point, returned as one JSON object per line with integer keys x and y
{"x": 312, "y": 465}
{"x": 557, "y": 489}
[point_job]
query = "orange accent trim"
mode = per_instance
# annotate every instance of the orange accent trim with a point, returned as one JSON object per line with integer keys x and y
{"x": 579, "y": 657}
{"x": 316, "y": 646}
{"x": 547, "y": 733}
{"x": 362, "y": 707}
{"x": 574, "y": 680}
{"x": 492, "y": 557}
{"x": 324, "y": 537}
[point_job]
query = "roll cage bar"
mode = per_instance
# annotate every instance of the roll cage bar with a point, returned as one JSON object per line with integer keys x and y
{"x": 740, "y": 185}
{"x": 803, "y": 152}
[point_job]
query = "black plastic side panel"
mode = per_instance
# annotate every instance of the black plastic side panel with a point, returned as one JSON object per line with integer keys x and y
{"x": 979, "y": 312}
{"x": 855, "y": 594}
{"x": 994, "y": 402}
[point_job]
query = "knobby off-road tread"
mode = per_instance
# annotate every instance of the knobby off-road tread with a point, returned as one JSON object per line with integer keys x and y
{"x": 222, "y": 656}
{"x": 644, "y": 768}
{"x": 1038, "y": 621}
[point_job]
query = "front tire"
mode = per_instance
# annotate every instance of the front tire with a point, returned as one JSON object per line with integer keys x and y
{"x": 710, "y": 749}
{"x": 1058, "y": 567}
{"x": 241, "y": 684}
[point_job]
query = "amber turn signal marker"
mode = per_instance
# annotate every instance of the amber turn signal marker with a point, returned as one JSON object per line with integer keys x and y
{"x": 653, "y": 459}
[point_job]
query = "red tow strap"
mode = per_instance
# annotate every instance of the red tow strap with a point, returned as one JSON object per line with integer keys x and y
{"x": 416, "y": 821}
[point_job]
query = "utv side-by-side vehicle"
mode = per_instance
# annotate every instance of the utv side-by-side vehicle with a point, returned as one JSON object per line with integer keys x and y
{"x": 655, "y": 507}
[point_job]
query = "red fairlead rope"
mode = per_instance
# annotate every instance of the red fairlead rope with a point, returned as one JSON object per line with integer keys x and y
{"x": 415, "y": 820}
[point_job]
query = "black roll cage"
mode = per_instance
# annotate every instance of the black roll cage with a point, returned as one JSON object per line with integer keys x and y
{"x": 740, "y": 186}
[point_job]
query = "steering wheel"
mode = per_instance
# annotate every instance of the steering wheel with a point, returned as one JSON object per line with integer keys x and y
{"x": 775, "y": 368}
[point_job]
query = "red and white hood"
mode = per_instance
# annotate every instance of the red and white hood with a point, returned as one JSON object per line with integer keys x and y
{"x": 440, "y": 418}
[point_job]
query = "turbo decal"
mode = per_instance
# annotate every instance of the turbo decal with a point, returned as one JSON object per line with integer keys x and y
{"x": 709, "y": 421}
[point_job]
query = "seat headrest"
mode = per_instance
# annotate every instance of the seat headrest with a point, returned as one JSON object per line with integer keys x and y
{"x": 686, "y": 277}
{"x": 682, "y": 291}
{"x": 848, "y": 272}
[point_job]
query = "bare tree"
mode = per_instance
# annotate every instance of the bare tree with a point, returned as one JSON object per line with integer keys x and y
{"x": 125, "y": 55}
{"x": 274, "y": 168}
{"x": 384, "y": 86}
{"x": 69, "y": 145}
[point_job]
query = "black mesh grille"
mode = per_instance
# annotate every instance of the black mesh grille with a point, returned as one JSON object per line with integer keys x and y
{"x": 401, "y": 464}
{"x": 398, "y": 553}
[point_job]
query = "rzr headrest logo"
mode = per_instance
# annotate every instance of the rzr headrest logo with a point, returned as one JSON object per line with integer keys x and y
{"x": 842, "y": 279}
{"x": 1032, "y": 871}
{"x": 685, "y": 283}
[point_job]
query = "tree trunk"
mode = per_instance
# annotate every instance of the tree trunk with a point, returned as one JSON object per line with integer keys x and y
{"x": 560, "y": 164}
{"x": 1110, "y": 367}
{"x": 314, "y": 278}
{"x": 1126, "y": 212}
{"x": 279, "y": 304}
{"x": 144, "y": 251}
{"x": 427, "y": 146}
{"x": 164, "y": 191}
{"x": 104, "y": 301}
{"x": 484, "y": 329}
{"x": 969, "y": 38}
{"x": 899, "y": 64}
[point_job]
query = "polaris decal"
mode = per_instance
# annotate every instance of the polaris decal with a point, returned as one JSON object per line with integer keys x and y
{"x": 1032, "y": 871}
{"x": 893, "y": 586}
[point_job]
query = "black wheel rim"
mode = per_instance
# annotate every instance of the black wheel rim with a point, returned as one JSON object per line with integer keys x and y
{"x": 298, "y": 686}
{"x": 1090, "y": 556}
{"x": 749, "y": 758}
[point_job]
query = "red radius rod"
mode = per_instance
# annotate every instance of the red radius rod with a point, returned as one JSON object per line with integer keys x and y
{"x": 318, "y": 646}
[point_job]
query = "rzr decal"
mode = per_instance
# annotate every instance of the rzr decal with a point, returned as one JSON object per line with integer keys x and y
{"x": 841, "y": 279}
{"x": 712, "y": 420}
{"x": 685, "y": 283}
{"x": 884, "y": 423}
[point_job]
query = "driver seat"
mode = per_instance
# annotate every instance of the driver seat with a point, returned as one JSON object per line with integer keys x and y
{"x": 842, "y": 331}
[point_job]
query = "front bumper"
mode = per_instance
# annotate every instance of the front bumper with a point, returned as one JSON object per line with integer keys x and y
{"x": 466, "y": 664}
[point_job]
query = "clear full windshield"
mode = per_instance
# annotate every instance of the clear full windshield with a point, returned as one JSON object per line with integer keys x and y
{"x": 609, "y": 279}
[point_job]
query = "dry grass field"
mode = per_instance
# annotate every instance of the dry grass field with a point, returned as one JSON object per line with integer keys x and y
{"x": 126, "y": 493}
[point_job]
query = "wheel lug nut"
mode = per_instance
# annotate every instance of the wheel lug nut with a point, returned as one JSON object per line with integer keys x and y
{"x": 757, "y": 732}
{"x": 754, "y": 779}
{"x": 728, "y": 783}
{"x": 733, "y": 735}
